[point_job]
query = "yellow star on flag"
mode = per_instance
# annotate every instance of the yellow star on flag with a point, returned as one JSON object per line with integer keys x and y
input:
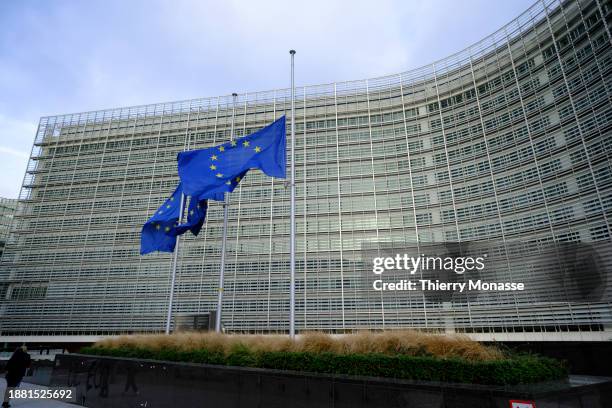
{"x": 221, "y": 148}
{"x": 213, "y": 157}
{"x": 233, "y": 143}
{"x": 257, "y": 149}
{"x": 219, "y": 175}
{"x": 238, "y": 179}
{"x": 167, "y": 229}
{"x": 246, "y": 143}
{"x": 213, "y": 167}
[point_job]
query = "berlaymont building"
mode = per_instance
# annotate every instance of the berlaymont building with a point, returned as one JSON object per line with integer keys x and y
{"x": 507, "y": 142}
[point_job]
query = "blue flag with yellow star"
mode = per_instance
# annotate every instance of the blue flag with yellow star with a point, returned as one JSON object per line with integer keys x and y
{"x": 160, "y": 231}
{"x": 208, "y": 173}
{"x": 196, "y": 214}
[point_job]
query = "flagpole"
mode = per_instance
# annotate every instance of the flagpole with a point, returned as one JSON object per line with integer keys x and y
{"x": 174, "y": 262}
{"x": 292, "y": 214}
{"x": 224, "y": 239}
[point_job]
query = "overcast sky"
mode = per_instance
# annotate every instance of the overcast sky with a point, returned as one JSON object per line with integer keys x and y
{"x": 64, "y": 56}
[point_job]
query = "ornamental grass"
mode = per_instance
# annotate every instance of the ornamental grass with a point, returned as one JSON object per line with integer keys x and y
{"x": 390, "y": 343}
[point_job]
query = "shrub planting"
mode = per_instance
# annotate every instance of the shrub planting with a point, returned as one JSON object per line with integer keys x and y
{"x": 396, "y": 354}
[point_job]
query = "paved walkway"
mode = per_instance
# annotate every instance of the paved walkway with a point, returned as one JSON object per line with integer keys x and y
{"x": 32, "y": 403}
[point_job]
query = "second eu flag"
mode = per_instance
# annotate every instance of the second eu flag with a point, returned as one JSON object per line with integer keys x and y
{"x": 160, "y": 231}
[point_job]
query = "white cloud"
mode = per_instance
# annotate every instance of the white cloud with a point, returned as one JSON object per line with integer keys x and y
{"x": 335, "y": 40}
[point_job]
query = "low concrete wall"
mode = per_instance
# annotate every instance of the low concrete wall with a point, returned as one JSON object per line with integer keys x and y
{"x": 113, "y": 382}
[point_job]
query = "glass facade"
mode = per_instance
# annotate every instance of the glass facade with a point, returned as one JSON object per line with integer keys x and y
{"x": 7, "y": 210}
{"x": 506, "y": 141}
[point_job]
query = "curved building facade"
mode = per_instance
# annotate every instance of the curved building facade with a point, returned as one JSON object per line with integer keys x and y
{"x": 508, "y": 141}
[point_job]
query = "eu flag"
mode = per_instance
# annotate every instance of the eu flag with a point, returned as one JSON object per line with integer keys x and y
{"x": 196, "y": 214}
{"x": 158, "y": 232}
{"x": 208, "y": 173}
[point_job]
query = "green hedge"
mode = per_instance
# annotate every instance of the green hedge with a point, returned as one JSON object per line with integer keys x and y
{"x": 514, "y": 370}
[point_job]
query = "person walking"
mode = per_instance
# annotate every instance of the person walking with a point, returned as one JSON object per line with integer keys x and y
{"x": 16, "y": 368}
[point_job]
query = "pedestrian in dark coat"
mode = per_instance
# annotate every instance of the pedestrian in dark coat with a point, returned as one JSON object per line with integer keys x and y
{"x": 16, "y": 369}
